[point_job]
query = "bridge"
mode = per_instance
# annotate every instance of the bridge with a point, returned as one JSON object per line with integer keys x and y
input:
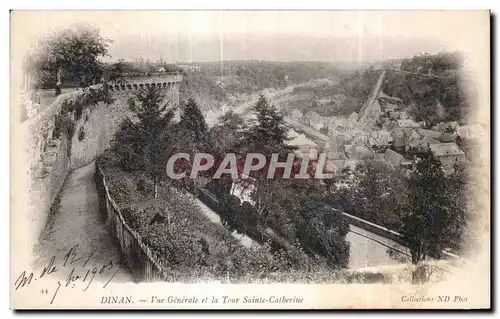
{"x": 137, "y": 82}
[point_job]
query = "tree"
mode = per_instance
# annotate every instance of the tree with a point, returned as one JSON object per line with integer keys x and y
{"x": 142, "y": 144}
{"x": 193, "y": 128}
{"x": 228, "y": 132}
{"x": 375, "y": 192}
{"x": 324, "y": 230}
{"x": 428, "y": 112}
{"x": 72, "y": 54}
{"x": 269, "y": 133}
{"x": 428, "y": 219}
{"x": 463, "y": 203}
{"x": 115, "y": 73}
{"x": 275, "y": 203}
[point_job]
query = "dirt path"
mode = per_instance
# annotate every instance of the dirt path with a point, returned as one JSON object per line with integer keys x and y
{"x": 78, "y": 226}
{"x": 215, "y": 218}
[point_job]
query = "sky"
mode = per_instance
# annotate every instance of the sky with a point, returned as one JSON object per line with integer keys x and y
{"x": 192, "y": 36}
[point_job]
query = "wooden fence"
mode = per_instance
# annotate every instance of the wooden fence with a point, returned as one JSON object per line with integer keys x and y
{"x": 142, "y": 263}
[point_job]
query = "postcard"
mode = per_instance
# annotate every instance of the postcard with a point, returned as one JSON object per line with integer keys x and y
{"x": 250, "y": 159}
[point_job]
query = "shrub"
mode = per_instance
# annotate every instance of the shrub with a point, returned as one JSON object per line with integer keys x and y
{"x": 179, "y": 248}
{"x": 131, "y": 217}
{"x": 120, "y": 191}
{"x": 246, "y": 216}
{"x": 141, "y": 185}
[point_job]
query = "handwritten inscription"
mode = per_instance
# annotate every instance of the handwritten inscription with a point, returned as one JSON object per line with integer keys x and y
{"x": 81, "y": 274}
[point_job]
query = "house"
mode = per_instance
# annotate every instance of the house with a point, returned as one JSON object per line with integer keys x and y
{"x": 335, "y": 145}
{"x": 423, "y": 144}
{"x": 243, "y": 192}
{"x": 448, "y": 126}
{"x": 404, "y": 116}
{"x": 379, "y": 138}
{"x": 389, "y": 107}
{"x": 396, "y": 65}
{"x": 325, "y": 102}
{"x": 211, "y": 117}
{"x": 449, "y": 154}
{"x": 408, "y": 123}
{"x": 393, "y": 158}
{"x": 395, "y": 115}
{"x": 398, "y": 137}
{"x": 429, "y": 133}
{"x": 338, "y": 165}
{"x": 297, "y": 115}
{"x": 358, "y": 151}
{"x": 336, "y": 123}
{"x": 407, "y": 164}
{"x": 411, "y": 138}
{"x": 316, "y": 121}
{"x": 447, "y": 137}
{"x": 384, "y": 98}
{"x": 189, "y": 68}
{"x": 302, "y": 142}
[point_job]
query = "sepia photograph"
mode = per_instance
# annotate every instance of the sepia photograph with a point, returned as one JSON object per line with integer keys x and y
{"x": 233, "y": 159}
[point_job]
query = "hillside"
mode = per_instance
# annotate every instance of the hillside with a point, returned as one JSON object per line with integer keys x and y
{"x": 433, "y": 86}
{"x": 336, "y": 96}
{"x": 426, "y": 95}
{"x": 233, "y": 82}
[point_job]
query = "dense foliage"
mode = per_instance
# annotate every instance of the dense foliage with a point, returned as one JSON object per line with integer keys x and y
{"x": 285, "y": 209}
{"x": 372, "y": 191}
{"x": 251, "y": 76}
{"x": 430, "y": 220}
{"x": 74, "y": 53}
{"x": 345, "y": 94}
{"x": 428, "y": 208}
{"x": 141, "y": 140}
{"x": 268, "y": 133}
{"x": 294, "y": 210}
{"x": 439, "y": 63}
{"x": 193, "y": 248}
{"x": 202, "y": 88}
{"x": 431, "y": 98}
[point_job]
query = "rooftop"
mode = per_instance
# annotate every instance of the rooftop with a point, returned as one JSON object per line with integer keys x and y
{"x": 445, "y": 149}
{"x": 393, "y": 157}
{"x": 429, "y": 133}
{"x": 408, "y": 123}
{"x": 300, "y": 139}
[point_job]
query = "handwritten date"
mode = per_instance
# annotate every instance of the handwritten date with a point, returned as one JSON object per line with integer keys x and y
{"x": 79, "y": 272}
